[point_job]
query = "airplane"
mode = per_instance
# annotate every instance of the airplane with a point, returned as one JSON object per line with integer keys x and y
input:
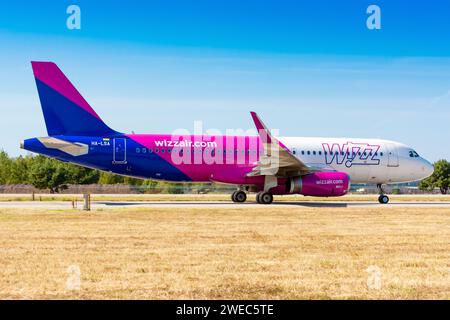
{"x": 261, "y": 163}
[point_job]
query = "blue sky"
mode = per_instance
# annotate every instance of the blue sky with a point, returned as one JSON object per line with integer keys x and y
{"x": 310, "y": 68}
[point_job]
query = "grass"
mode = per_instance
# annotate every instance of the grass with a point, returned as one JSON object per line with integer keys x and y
{"x": 213, "y": 197}
{"x": 266, "y": 253}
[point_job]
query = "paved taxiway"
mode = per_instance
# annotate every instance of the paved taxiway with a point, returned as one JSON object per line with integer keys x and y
{"x": 213, "y": 204}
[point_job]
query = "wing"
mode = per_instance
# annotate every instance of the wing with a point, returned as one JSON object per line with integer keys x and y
{"x": 277, "y": 159}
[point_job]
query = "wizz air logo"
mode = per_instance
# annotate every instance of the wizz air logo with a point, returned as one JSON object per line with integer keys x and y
{"x": 351, "y": 154}
{"x": 185, "y": 143}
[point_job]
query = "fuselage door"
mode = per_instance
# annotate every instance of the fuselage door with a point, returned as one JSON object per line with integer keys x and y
{"x": 119, "y": 150}
{"x": 392, "y": 154}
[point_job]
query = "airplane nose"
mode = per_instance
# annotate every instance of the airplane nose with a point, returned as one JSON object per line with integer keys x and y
{"x": 427, "y": 169}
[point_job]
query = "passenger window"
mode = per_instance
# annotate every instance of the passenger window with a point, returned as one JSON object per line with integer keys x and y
{"x": 144, "y": 150}
{"x": 156, "y": 150}
{"x": 138, "y": 150}
{"x": 314, "y": 153}
{"x": 320, "y": 153}
{"x": 308, "y": 152}
{"x": 381, "y": 153}
{"x": 150, "y": 150}
{"x": 303, "y": 152}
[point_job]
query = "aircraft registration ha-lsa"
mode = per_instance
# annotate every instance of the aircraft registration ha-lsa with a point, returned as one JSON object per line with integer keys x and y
{"x": 262, "y": 163}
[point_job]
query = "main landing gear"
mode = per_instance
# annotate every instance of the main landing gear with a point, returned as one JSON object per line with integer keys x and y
{"x": 263, "y": 197}
{"x": 239, "y": 196}
{"x": 383, "y": 199}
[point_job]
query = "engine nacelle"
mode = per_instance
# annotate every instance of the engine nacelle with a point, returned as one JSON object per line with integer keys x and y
{"x": 319, "y": 184}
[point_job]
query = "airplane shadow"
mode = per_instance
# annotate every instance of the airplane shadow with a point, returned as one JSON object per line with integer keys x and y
{"x": 116, "y": 203}
{"x": 313, "y": 204}
{"x": 206, "y": 204}
{"x": 318, "y": 204}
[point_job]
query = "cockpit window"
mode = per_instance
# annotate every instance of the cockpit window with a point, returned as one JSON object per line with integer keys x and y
{"x": 413, "y": 154}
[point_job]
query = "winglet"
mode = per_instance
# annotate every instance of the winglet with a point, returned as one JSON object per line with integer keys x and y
{"x": 277, "y": 159}
{"x": 263, "y": 132}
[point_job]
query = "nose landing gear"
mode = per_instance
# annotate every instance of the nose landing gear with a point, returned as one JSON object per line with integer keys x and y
{"x": 383, "y": 199}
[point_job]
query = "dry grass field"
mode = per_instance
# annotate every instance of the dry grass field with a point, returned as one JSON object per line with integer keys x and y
{"x": 267, "y": 253}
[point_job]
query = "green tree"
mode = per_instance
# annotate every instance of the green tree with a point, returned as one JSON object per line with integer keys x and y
{"x": 5, "y": 167}
{"x": 110, "y": 178}
{"x": 132, "y": 181}
{"x": 150, "y": 186}
{"x": 19, "y": 170}
{"x": 81, "y": 175}
{"x": 175, "y": 188}
{"x": 439, "y": 179}
{"x": 49, "y": 174}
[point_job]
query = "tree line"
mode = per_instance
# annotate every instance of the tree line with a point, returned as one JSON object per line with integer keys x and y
{"x": 46, "y": 173}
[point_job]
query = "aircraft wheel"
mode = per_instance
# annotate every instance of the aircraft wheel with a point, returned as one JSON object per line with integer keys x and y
{"x": 383, "y": 199}
{"x": 240, "y": 196}
{"x": 233, "y": 196}
{"x": 258, "y": 197}
{"x": 265, "y": 198}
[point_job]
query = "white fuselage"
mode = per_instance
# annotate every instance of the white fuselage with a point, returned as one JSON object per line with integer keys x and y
{"x": 364, "y": 160}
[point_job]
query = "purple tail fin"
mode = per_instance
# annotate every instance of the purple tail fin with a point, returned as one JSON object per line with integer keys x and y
{"x": 65, "y": 110}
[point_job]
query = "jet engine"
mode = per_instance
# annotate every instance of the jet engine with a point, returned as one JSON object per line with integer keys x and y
{"x": 317, "y": 184}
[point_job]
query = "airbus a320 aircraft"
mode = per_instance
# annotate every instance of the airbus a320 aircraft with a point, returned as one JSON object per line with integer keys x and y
{"x": 321, "y": 167}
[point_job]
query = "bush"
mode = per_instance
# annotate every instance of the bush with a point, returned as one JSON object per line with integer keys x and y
{"x": 439, "y": 179}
